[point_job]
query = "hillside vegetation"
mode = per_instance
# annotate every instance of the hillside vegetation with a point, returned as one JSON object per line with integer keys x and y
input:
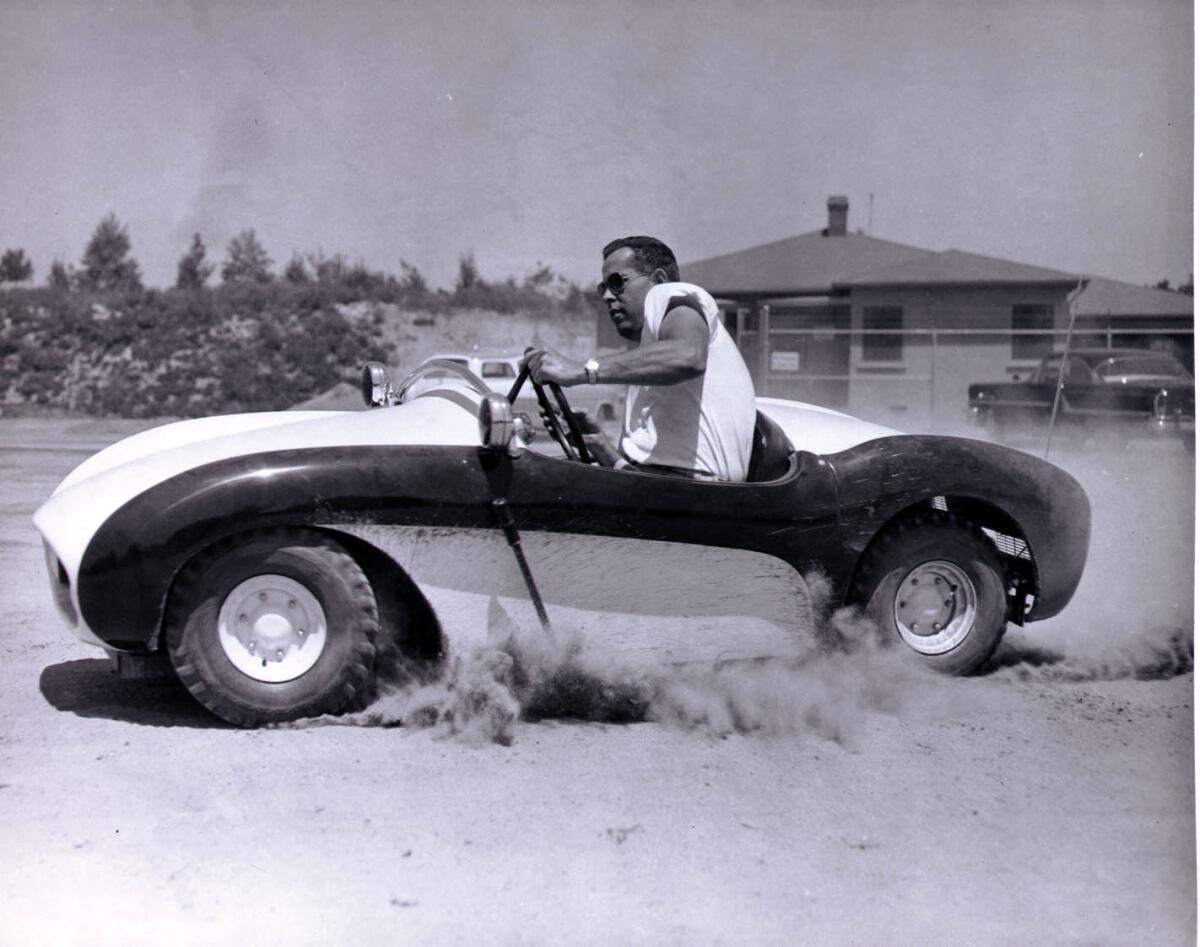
{"x": 96, "y": 341}
{"x": 254, "y": 345}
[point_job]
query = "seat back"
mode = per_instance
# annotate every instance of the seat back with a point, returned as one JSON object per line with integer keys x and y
{"x": 770, "y": 453}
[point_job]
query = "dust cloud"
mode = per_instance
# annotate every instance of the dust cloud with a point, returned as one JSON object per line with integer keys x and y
{"x": 840, "y": 672}
{"x": 1132, "y": 616}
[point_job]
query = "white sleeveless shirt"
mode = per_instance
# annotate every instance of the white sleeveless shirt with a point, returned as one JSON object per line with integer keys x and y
{"x": 704, "y": 424}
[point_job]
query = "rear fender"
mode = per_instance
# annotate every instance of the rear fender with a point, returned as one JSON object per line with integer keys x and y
{"x": 1004, "y": 532}
{"x": 1012, "y": 493}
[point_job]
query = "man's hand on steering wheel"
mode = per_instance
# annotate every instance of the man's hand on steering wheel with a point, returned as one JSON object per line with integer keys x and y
{"x": 546, "y": 367}
{"x": 552, "y": 371}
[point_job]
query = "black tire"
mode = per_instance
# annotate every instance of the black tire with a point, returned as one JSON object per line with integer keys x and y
{"x": 221, "y": 671}
{"x": 932, "y": 554}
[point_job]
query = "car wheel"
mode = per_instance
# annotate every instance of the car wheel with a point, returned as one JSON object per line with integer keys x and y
{"x": 273, "y": 626}
{"x": 936, "y": 583}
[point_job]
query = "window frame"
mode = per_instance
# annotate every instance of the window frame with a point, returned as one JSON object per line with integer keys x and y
{"x": 1022, "y": 343}
{"x": 886, "y": 336}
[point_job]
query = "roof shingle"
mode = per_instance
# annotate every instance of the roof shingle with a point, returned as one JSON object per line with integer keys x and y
{"x": 956, "y": 267}
{"x": 809, "y": 263}
{"x": 1103, "y": 297}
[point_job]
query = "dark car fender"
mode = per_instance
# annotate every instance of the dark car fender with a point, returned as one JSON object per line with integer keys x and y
{"x": 996, "y": 487}
{"x": 130, "y": 563}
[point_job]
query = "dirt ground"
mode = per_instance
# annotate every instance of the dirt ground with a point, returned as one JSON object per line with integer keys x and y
{"x": 1048, "y": 800}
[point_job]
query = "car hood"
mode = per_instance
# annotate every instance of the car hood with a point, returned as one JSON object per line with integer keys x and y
{"x": 117, "y": 474}
{"x": 183, "y": 434}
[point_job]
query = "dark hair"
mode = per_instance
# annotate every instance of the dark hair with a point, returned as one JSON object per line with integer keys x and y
{"x": 649, "y": 253}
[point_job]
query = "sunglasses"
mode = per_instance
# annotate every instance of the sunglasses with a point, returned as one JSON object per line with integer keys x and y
{"x": 616, "y": 283}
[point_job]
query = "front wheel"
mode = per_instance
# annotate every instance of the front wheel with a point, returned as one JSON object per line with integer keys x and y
{"x": 937, "y": 584}
{"x": 273, "y": 626}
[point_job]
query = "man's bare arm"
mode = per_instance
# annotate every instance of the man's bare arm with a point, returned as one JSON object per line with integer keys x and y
{"x": 680, "y": 354}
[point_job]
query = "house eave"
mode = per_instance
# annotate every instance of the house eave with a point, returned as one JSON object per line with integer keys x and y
{"x": 845, "y": 288}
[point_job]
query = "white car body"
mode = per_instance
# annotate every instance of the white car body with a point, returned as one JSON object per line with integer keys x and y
{"x": 103, "y": 483}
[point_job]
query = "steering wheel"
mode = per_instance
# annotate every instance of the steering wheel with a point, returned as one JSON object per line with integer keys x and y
{"x": 571, "y": 440}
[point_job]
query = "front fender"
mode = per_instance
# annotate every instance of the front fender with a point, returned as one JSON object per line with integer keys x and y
{"x": 127, "y": 568}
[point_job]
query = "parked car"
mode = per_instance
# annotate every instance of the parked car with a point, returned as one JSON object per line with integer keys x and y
{"x": 274, "y": 558}
{"x": 1134, "y": 390}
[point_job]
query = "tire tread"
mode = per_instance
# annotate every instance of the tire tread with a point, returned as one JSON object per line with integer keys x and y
{"x": 188, "y": 592}
{"x": 879, "y": 552}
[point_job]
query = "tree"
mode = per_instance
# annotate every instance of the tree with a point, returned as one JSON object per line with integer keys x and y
{"x": 540, "y": 279}
{"x": 60, "y": 276}
{"x": 468, "y": 272}
{"x": 330, "y": 270}
{"x": 246, "y": 260}
{"x": 1186, "y": 288}
{"x": 296, "y": 272}
{"x": 194, "y": 270}
{"x": 106, "y": 262}
{"x": 15, "y": 267}
{"x": 412, "y": 280}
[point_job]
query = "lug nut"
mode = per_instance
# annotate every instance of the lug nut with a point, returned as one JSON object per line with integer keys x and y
{"x": 300, "y": 632}
{"x": 291, "y": 603}
{"x": 279, "y": 654}
{"x": 949, "y": 603}
{"x": 936, "y": 626}
{"x": 252, "y": 645}
{"x": 242, "y": 617}
{"x": 262, "y": 596}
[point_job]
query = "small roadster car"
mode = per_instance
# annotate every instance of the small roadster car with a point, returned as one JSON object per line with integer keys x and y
{"x": 276, "y": 558}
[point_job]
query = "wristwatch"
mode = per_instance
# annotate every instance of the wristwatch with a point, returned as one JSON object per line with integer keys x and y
{"x": 592, "y": 368}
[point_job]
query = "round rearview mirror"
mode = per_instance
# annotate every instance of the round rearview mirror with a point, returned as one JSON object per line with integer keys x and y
{"x": 496, "y": 428}
{"x": 376, "y": 385}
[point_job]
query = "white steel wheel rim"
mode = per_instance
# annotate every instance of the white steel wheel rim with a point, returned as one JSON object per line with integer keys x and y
{"x": 935, "y": 607}
{"x": 272, "y": 628}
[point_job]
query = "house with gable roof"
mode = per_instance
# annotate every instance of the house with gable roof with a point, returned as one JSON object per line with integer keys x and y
{"x": 895, "y": 333}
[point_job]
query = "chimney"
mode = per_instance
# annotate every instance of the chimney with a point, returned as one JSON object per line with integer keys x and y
{"x": 839, "y": 208}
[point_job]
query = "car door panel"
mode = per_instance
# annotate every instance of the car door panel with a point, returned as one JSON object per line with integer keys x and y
{"x": 674, "y": 602}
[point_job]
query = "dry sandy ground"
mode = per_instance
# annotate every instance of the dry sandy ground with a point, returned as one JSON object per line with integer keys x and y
{"x": 1049, "y": 800}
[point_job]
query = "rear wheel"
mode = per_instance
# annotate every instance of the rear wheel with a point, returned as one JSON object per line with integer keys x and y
{"x": 937, "y": 584}
{"x": 273, "y": 626}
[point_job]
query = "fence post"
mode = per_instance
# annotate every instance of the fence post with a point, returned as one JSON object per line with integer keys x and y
{"x": 1062, "y": 367}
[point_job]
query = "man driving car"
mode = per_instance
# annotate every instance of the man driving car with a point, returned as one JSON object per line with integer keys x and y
{"x": 690, "y": 407}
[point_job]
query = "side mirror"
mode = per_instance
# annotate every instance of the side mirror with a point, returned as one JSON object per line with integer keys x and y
{"x": 497, "y": 431}
{"x": 376, "y": 385}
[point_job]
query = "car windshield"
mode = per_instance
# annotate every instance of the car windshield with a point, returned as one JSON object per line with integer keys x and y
{"x": 1161, "y": 366}
{"x": 498, "y": 370}
{"x": 1077, "y": 370}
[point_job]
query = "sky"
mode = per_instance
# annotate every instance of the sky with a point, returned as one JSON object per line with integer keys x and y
{"x": 1052, "y": 132}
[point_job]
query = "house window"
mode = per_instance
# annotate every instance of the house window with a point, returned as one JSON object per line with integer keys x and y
{"x": 1032, "y": 316}
{"x": 881, "y": 341}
